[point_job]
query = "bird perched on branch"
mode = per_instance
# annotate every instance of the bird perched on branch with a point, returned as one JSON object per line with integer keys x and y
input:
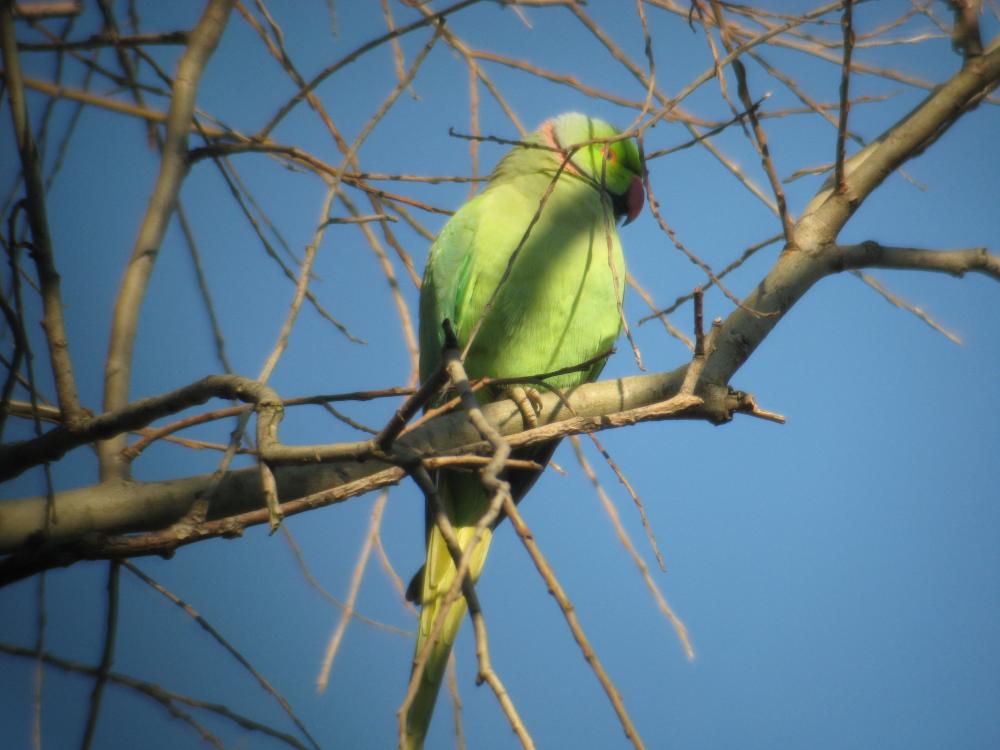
{"x": 530, "y": 274}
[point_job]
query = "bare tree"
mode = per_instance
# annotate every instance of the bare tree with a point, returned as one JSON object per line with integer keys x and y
{"x": 154, "y": 77}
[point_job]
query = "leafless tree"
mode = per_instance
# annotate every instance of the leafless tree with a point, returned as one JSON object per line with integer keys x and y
{"x": 119, "y": 519}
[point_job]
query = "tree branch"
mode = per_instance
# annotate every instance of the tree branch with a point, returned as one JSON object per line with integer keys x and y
{"x": 105, "y": 39}
{"x": 871, "y": 254}
{"x": 829, "y": 210}
{"x": 41, "y": 248}
{"x": 816, "y": 231}
{"x": 16, "y": 458}
{"x": 349, "y": 469}
{"x": 173, "y": 168}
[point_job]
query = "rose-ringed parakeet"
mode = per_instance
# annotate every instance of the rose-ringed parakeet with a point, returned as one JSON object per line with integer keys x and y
{"x": 557, "y": 307}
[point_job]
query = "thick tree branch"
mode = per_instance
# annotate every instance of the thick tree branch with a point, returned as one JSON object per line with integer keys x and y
{"x": 829, "y": 210}
{"x": 350, "y": 468}
{"x": 815, "y": 235}
{"x": 965, "y": 35}
{"x": 954, "y": 262}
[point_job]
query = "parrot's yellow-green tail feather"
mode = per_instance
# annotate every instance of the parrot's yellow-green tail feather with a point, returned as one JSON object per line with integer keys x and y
{"x": 439, "y": 574}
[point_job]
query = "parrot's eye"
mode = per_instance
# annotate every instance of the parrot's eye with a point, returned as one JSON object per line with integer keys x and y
{"x": 609, "y": 153}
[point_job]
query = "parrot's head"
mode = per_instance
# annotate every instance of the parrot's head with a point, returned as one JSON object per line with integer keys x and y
{"x": 615, "y": 164}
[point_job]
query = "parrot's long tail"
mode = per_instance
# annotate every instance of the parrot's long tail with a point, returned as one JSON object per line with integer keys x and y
{"x": 438, "y": 576}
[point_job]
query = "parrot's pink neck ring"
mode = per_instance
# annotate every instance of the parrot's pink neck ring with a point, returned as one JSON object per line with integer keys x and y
{"x": 550, "y": 140}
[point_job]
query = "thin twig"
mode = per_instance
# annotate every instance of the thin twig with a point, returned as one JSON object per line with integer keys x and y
{"x": 208, "y": 628}
{"x": 619, "y": 290}
{"x": 646, "y": 525}
{"x": 569, "y": 612}
{"x": 164, "y": 697}
{"x": 499, "y": 491}
{"x": 744, "y": 256}
{"x": 206, "y": 296}
{"x": 151, "y": 435}
{"x": 38, "y": 654}
{"x": 896, "y": 301}
{"x": 456, "y": 701}
{"x": 737, "y": 118}
{"x": 311, "y": 85}
{"x": 759, "y": 137}
{"x": 402, "y": 309}
{"x": 104, "y": 39}
{"x": 845, "y": 102}
{"x": 397, "y": 49}
{"x": 656, "y": 313}
{"x": 474, "y": 69}
{"x": 678, "y": 625}
{"x": 654, "y": 207}
{"x": 311, "y": 579}
{"x": 392, "y": 575}
{"x": 237, "y": 191}
{"x": 53, "y": 320}
{"x": 473, "y": 158}
{"x": 107, "y": 655}
{"x": 461, "y": 559}
{"x": 352, "y": 593}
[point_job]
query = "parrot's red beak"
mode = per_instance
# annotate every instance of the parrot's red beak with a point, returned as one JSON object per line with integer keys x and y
{"x": 635, "y": 199}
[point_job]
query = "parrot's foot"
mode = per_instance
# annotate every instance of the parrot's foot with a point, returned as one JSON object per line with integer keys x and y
{"x": 528, "y": 402}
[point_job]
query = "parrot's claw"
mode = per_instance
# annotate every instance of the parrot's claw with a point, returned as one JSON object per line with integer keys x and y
{"x": 528, "y": 402}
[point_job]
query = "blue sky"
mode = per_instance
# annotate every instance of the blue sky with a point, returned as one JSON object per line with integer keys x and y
{"x": 839, "y": 575}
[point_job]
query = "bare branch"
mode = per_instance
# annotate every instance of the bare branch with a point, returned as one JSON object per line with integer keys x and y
{"x": 48, "y": 9}
{"x": 657, "y": 313}
{"x": 48, "y": 277}
{"x": 954, "y": 262}
{"x": 110, "y": 629}
{"x": 352, "y": 593}
{"x": 965, "y": 36}
{"x": 161, "y": 695}
{"x": 15, "y": 458}
{"x": 238, "y": 500}
{"x": 221, "y": 640}
{"x": 312, "y": 581}
{"x": 59, "y": 91}
{"x": 104, "y": 39}
{"x": 461, "y": 559}
{"x": 821, "y": 221}
{"x": 311, "y": 85}
{"x": 845, "y": 101}
{"x": 609, "y": 507}
{"x": 896, "y": 301}
{"x": 569, "y": 612}
{"x": 402, "y": 309}
{"x": 173, "y": 168}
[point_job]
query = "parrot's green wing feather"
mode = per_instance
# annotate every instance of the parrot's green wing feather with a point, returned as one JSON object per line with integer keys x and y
{"x": 445, "y": 281}
{"x": 546, "y": 302}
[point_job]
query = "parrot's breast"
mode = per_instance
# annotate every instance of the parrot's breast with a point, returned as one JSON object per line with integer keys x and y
{"x": 559, "y": 305}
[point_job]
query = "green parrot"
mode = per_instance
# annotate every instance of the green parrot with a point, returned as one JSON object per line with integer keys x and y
{"x": 558, "y": 307}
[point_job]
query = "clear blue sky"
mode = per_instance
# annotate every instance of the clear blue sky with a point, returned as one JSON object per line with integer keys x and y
{"x": 839, "y": 575}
